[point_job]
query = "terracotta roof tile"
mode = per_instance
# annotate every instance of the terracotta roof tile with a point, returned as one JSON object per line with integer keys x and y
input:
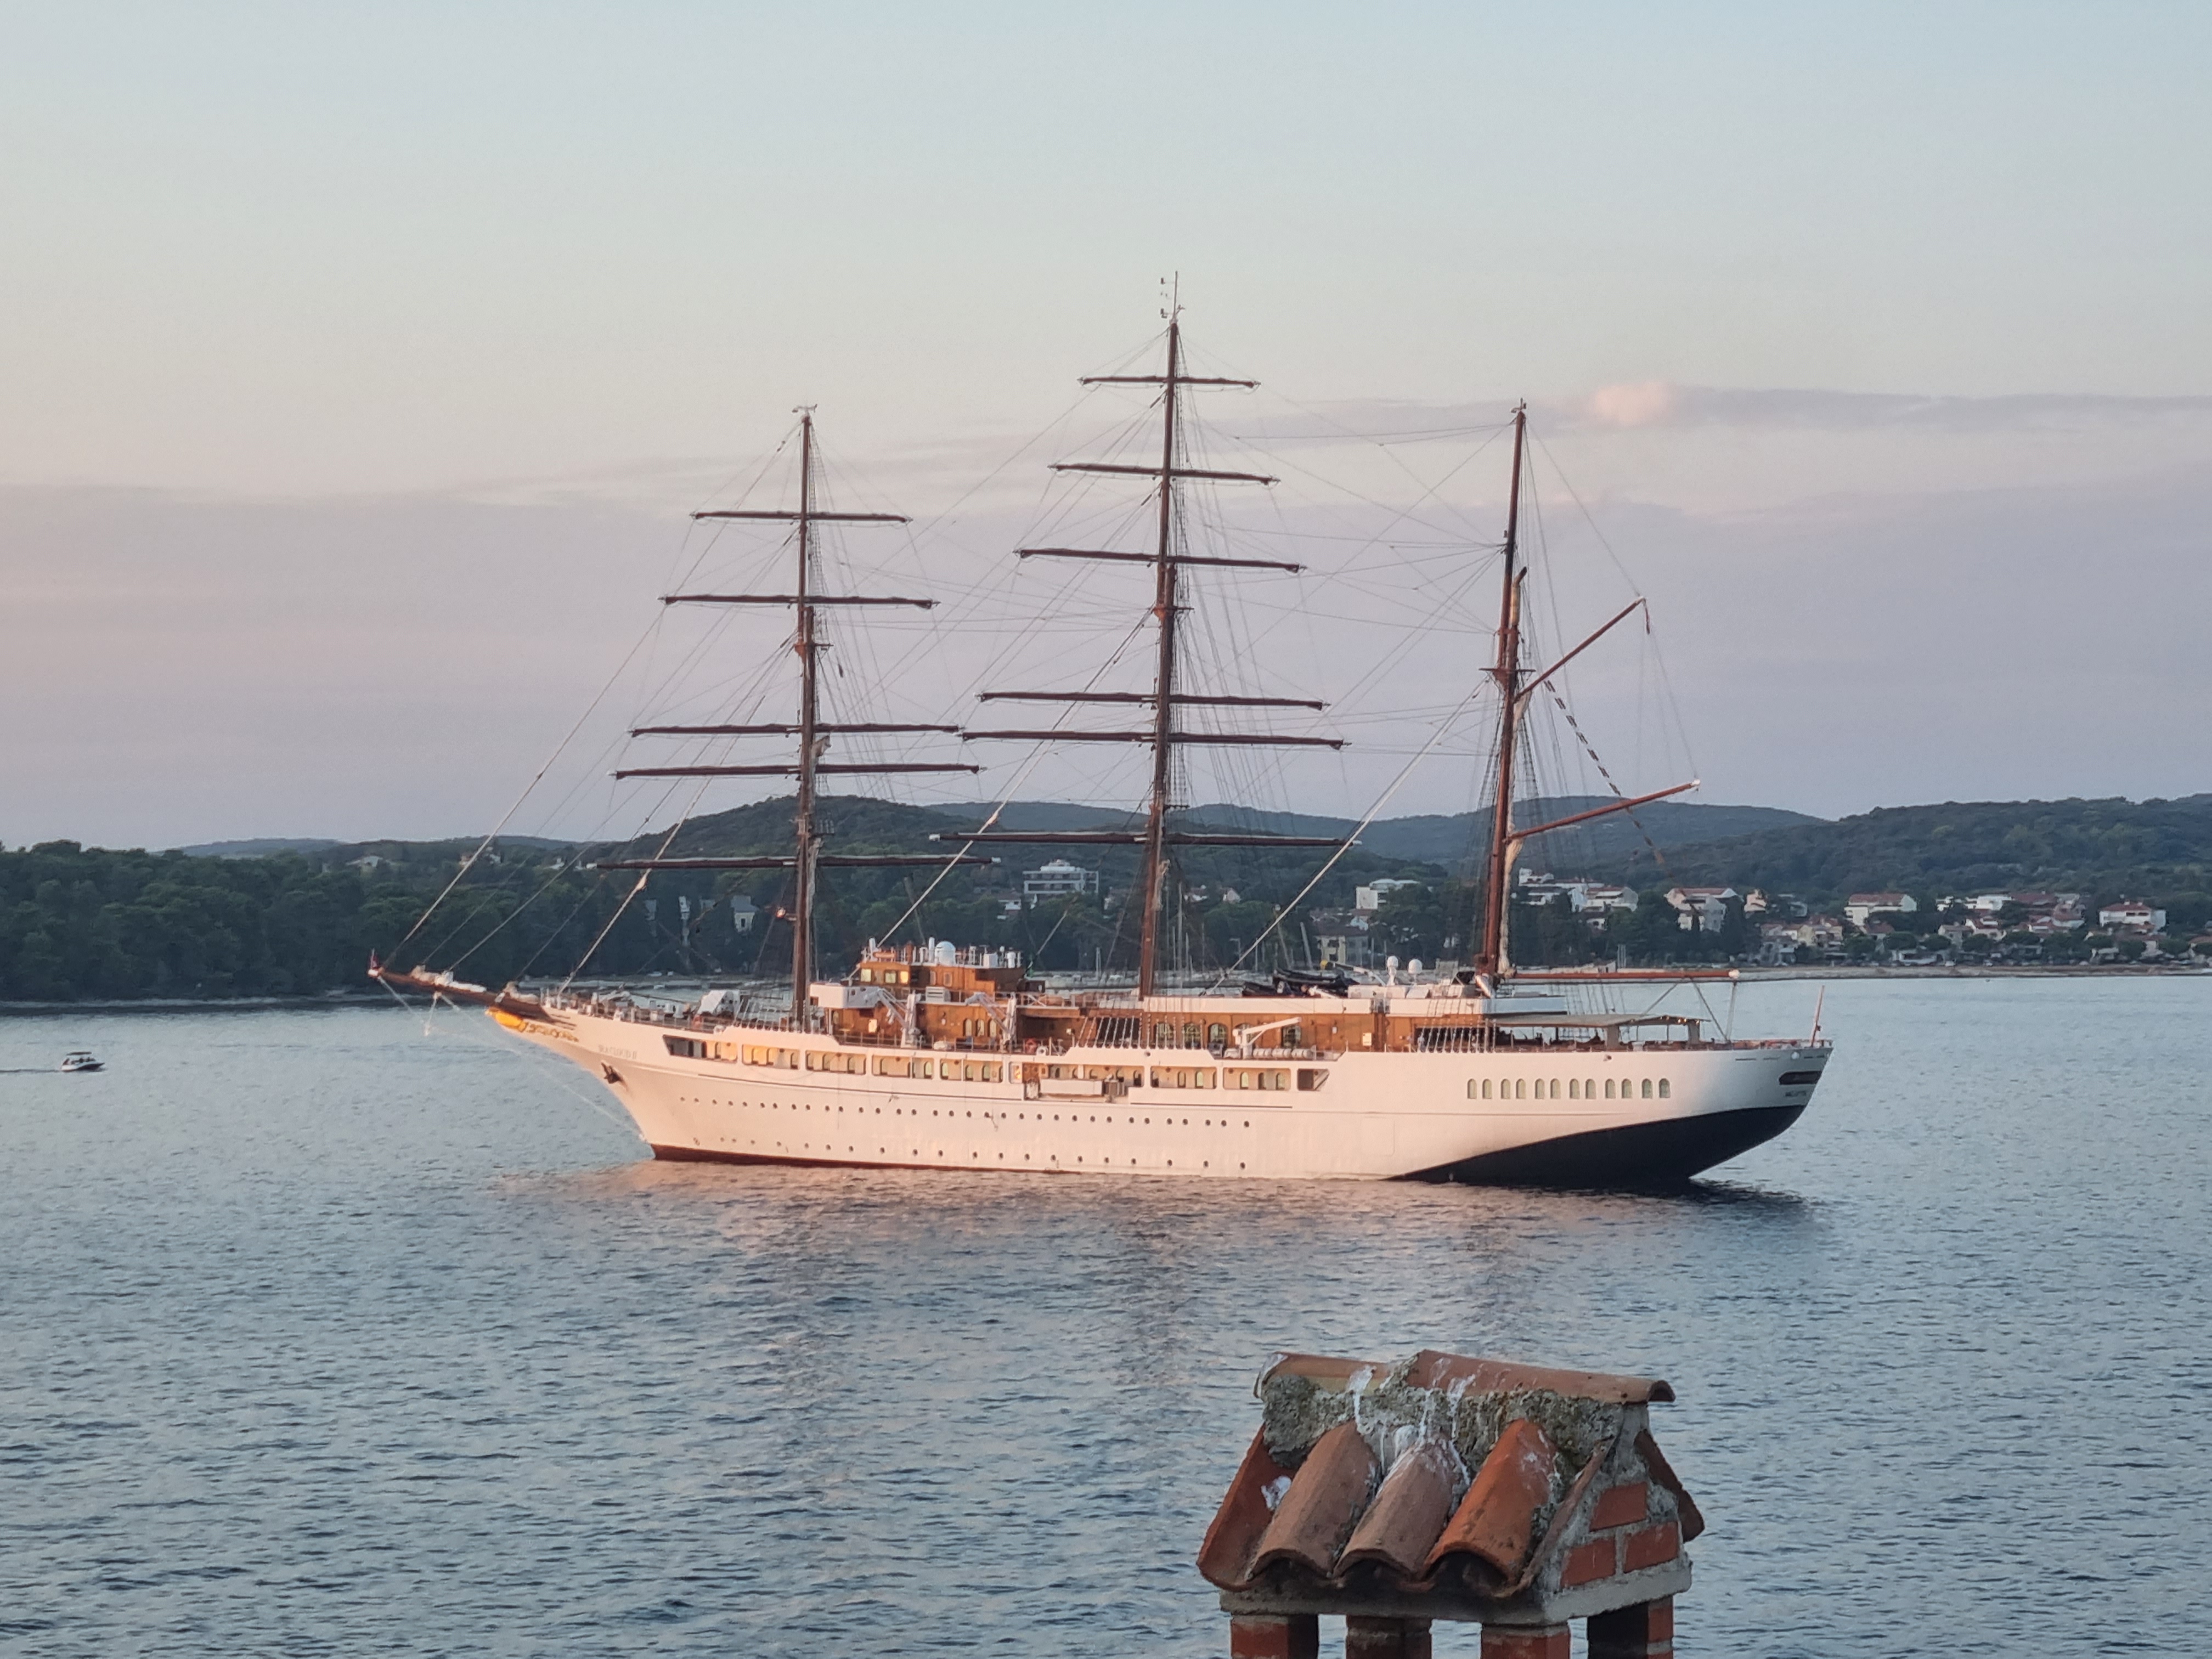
{"x": 1415, "y": 1500}
{"x": 1496, "y": 1521}
{"x": 1324, "y": 1502}
{"x": 1663, "y": 1473}
{"x": 1357, "y": 1485}
{"x": 1233, "y": 1540}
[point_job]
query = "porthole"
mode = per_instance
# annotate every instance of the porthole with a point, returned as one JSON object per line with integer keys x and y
{"x": 1665, "y": 1089}
{"x": 1647, "y": 1088}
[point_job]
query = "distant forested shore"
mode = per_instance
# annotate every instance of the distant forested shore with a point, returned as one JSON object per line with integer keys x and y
{"x": 79, "y": 923}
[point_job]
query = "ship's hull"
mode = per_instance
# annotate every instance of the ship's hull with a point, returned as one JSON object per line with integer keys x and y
{"x": 1555, "y": 1116}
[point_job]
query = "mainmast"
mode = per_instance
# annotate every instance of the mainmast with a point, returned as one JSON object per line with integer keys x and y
{"x": 811, "y": 744}
{"x": 1490, "y": 959}
{"x": 813, "y": 733}
{"x": 1163, "y": 734}
{"x": 1163, "y": 678}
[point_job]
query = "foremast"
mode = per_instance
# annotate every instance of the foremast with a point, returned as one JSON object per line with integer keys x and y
{"x": 814, "y": 734}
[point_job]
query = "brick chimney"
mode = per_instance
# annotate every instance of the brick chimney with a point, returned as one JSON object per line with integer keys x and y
{"x": 1516, "y": 1496}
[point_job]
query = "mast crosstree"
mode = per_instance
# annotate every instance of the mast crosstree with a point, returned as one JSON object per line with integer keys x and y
{"x": 813, "y": 733}
{"x": 1163, "y": 735}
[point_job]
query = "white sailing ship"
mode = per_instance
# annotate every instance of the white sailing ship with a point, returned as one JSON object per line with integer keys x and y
{"x": 941, "y": 1057}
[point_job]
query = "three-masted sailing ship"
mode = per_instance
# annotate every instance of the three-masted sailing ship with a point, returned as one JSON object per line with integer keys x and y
{"x": 950, "y": 1058}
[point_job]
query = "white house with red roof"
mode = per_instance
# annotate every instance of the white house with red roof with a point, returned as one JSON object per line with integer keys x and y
{"x": 1704, "y": 908}
{"x": 2131, "y": 916}
{"x": 1859, "y": 906}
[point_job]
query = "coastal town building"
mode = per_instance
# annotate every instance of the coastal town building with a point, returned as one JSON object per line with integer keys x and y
{"x": 2134, "y": 915}
{"x": 1822, "y": 934}
{"x": 1342, "y": 937}
{"x": 1056, "y": 878}
{"x": 1859, "y": 906}
{"x": 1596, "y": 900}
{"x": 1778, "y": 905}
{"x": 1368, "y": 896}
{"x": 1701, "y": 908}
{"x": 2065, "y": 910}
{"x": 1591, "y": 899}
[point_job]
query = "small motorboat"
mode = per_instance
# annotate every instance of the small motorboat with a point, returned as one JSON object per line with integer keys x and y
{"x": 80, "y": 1060}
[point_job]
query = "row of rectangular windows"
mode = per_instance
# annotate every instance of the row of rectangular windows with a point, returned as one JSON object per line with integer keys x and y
{"x": 1185, "y": 1077}
{"x": 915, "y": 1111}
{"x": 971, "y": 1071}
{"x": 833, "y": 1060}
{"x": 1577, "y": 1089}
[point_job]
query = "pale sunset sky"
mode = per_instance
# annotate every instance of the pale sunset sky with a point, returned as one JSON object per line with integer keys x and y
{"x": 359, "y": 364}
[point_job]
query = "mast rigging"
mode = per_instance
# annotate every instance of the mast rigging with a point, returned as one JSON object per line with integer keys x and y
{"x": 813, "y": 733}
{"x": 1168, "y": 562}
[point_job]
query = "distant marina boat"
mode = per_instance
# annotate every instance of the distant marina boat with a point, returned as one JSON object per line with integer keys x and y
{"x": 952, "y": 1058}
{"x": 81, "y": 1060}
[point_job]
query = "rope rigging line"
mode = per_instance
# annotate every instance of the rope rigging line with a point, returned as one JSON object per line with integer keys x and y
{"x": 1381, "y": 802}
{"x": 536, "y": 779}
{"x": 645, "y": 638}
{"x": 1619, "y": 793}
{"x": 1673, "y": 709}
{"x": 1037, "y": 752}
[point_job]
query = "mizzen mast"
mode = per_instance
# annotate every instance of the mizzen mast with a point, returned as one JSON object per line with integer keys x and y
{"x": 1514, "y": 687}
{"x": 1490, "y": 959}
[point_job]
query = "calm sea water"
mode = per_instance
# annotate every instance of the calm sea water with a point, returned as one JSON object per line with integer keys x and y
{"x": 319, "y": 1335}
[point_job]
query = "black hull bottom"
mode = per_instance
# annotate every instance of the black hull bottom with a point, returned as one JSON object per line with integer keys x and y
{"x": 1641, "y": 1157}
{"x": 1644, "y": 1156}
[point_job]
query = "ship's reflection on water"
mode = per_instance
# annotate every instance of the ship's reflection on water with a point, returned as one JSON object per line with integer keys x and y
{"x": 322, "y": 1335}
